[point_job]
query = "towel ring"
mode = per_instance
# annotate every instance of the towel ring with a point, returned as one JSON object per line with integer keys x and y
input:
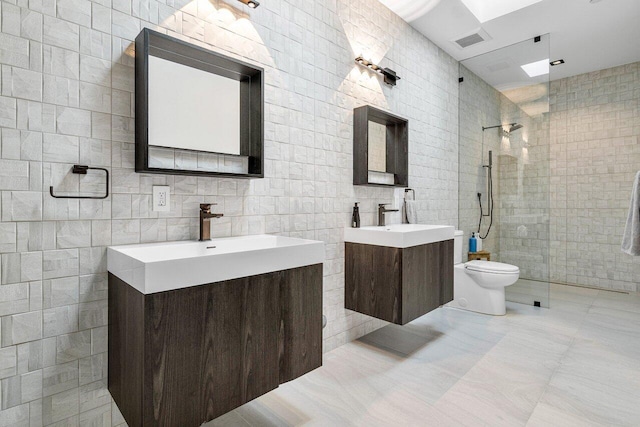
{"x": 406, "y": 190}
{"x": 82, "y": 170}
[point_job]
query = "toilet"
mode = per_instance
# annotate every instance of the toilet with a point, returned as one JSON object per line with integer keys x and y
{"x": 479, "y": 285}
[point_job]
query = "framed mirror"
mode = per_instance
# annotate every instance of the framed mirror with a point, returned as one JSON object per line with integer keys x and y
{"x": 380, "y": 148}
{"x": 197, "y": 112}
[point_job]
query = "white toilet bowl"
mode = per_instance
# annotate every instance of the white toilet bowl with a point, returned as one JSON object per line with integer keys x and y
{"x": 479, "y": 285}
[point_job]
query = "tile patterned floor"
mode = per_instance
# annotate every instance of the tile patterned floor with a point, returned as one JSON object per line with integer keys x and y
{"x": 576, "y": 364}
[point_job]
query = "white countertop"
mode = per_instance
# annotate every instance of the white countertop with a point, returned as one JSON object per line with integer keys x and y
{"x": 399, "y": 235}
{"x": 158, "y": 267}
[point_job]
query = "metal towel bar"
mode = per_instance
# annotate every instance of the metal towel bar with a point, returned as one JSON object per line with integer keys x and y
{"x": 82, "y": 170}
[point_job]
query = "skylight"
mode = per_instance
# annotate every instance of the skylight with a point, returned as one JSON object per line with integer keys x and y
{"x": 410, "y": 10}
{"x": 537, "y": 68}
{"x": 486, "y": 10}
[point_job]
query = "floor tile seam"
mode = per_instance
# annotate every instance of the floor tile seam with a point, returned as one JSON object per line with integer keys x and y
{"x": 546, "y": 387}
{"x": 605, "y": 308}
{"x": 390, "y": 377}
{"x": 244, "y": 419}
{"x": 616, "y": 308}
{"x": 462, "y": 377}
{"x": 560, "y": 362}
{"x": 537, "y": 402}
{"x": 583, "y": 321}
{"x": 559, "y": 355}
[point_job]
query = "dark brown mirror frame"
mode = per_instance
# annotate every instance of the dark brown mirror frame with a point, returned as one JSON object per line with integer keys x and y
{"x": 251, "y": 79}
{"x": 397, "y": 146}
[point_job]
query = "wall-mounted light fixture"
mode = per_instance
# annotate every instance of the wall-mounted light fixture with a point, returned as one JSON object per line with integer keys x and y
{"x": 251, "y": 3}
{"x": 390, "y": 76}
{"x": 556, "y": 62}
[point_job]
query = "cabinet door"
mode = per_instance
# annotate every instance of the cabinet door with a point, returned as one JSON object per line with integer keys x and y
{"x": 446, "y": 271}
{"x": 427, "y": 278}
{"x": 301, "y": 321}
{"x": 210, "y": 349}
{"x": 420, "y": 281}
{"x": 373, "y": 277}
{"x": 126, "y": 351}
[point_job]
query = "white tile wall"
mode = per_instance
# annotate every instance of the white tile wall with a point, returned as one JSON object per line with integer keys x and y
{"x": 480, "y": 106}
{"x": 595, "y": 128}
{"x": 524, "y": 196}
{"x": 66, "y": 96}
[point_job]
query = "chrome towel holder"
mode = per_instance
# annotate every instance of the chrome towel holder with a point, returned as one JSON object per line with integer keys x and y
{"x": 82, "y": 170}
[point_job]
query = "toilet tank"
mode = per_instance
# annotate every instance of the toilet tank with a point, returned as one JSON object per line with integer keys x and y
{"x": 458, "y": 235}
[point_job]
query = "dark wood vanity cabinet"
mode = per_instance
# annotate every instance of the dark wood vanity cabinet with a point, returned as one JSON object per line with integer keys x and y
{"x": 398, "y": 284}
{"x": 300, "y": 322}
{"x": 184, "y": 357}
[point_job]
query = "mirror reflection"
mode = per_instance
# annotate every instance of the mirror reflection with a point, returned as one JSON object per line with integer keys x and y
{"x": 192, "y": 109}
{"x": 377, "y": 147}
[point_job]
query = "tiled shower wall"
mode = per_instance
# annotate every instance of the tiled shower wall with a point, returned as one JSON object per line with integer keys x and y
{"x": 520, "y": 231}
{"x": 572, "y": 192}
{"x": 595, "y": 152}
{"x": 524, "y": 197}
{"x": 67, "y": 97}
{"x": 480, "y": 105}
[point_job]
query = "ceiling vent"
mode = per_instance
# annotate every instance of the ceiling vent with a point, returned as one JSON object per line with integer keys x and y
{"x": 469, "y": 40}
{"x": 473, "y": 38}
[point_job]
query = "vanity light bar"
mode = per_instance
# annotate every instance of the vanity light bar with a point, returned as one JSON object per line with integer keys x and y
{"x": 390, "y": 76}
{"x": 251, "y": 3}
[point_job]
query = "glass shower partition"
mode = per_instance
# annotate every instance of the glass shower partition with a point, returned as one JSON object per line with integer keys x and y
{"x": 504, "y": 162}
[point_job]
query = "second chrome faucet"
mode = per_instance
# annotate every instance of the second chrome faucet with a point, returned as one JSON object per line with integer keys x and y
{"x": 205, "y": 220}
{"x": 381, "y": 211}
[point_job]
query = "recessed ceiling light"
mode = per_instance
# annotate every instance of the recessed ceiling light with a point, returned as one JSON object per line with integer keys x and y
{"x": 557, "y": 62}
{"x": 537, "y": 68}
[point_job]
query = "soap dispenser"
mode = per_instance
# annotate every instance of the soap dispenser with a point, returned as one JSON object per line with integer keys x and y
{"x": 355, "y": 217}
{"x": 473, "y": 243}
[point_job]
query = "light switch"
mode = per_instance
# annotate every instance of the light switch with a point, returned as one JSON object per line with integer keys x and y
{"x": 161, "y": 198}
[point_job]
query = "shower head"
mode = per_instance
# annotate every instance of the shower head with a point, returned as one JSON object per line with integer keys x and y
{"x": 514, "y": 127}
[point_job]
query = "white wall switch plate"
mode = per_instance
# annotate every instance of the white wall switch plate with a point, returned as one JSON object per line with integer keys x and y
{"x": 161, "y": 198}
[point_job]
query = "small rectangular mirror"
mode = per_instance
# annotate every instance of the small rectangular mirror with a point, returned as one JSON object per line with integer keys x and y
{"x": 197, "y": 112}
{"x": 380, "y": 148}
{"x": 377, "y": 147}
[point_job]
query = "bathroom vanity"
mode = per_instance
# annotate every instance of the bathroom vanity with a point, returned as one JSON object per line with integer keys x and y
{"x": 197, "y": 329}
{"x": 399, "y": 272}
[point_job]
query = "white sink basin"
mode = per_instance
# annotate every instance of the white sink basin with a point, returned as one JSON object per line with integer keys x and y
{"x": 399, "y": 235}
{"x": 158, "y": 267}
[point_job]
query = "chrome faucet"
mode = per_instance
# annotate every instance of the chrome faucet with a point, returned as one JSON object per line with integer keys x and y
{"x": 205, "y": 220}
{"x": 381, "y": 211}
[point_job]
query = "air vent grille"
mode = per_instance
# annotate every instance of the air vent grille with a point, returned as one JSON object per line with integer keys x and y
{"x": 470, "y": 40}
